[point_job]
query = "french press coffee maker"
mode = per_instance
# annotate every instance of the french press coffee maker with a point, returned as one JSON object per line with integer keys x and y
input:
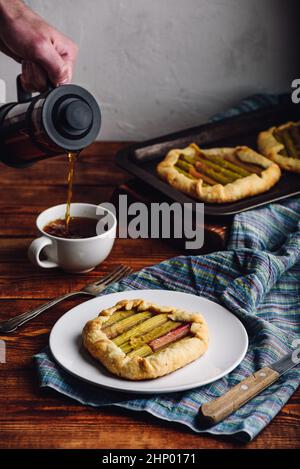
{"x": 62, "y": 119}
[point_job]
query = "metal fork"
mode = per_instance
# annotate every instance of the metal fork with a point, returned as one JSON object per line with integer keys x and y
{"x": 91, "y": 289}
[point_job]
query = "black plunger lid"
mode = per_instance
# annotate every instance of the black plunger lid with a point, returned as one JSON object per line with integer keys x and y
{"x": 71, "y": 117}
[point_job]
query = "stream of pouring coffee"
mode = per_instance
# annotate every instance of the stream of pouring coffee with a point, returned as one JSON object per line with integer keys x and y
{"x": 72, "y": 157}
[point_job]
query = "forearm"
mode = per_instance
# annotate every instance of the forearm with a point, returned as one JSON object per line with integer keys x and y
{"x": 11, "y": 10}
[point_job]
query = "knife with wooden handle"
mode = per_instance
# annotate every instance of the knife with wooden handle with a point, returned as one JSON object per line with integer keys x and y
{"x": 217, "y": 410}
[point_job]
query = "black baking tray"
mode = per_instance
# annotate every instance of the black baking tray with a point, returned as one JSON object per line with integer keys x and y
{"x": 142, "y": 158}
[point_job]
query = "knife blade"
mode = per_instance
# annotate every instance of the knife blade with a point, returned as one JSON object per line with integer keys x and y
{"x": 217, "y": 410}
{"x": 284, "y": 364}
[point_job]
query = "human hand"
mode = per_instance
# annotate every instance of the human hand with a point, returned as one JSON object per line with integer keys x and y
{"x": 44, "y": 52}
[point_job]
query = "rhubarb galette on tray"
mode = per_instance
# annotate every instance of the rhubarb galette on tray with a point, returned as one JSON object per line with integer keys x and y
{"x": 136, "y": 339}
{"x": 218, "y": 175}
{"x": 282, "y": 145}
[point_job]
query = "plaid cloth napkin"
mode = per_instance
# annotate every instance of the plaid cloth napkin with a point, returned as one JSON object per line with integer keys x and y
{"x": 258, "y": 279}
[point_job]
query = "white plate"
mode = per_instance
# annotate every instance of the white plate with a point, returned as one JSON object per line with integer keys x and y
{"x": 227, "y": 348}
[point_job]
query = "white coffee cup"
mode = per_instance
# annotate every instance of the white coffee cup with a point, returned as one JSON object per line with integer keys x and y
{"x": 72, "y": 255}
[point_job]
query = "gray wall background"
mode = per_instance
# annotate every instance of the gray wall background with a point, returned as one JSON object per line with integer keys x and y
{"x": 156, "y": 66}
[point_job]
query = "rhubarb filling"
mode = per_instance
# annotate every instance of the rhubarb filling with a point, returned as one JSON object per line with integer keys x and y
{"x": 140, "y": 334}
{"x": 213, "y": 169}
{"x": 290, "y": 138}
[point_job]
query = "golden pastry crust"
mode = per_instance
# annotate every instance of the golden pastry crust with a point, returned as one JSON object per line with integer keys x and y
{"x": 269, "y": 146}
{"x": 171, "y": 358}
{"x": 239, "y": 189}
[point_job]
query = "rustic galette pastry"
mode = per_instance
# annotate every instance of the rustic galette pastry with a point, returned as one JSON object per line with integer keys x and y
{"x": 136, "y": 339}
{"x": 282, "y": 145}
{"x": 218, "y": 175}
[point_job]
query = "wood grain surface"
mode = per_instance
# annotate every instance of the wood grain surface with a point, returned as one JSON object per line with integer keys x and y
{"x": 35, "y": 418}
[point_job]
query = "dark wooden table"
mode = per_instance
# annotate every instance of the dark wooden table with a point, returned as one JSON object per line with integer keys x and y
{"x": 31, "y": 418}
